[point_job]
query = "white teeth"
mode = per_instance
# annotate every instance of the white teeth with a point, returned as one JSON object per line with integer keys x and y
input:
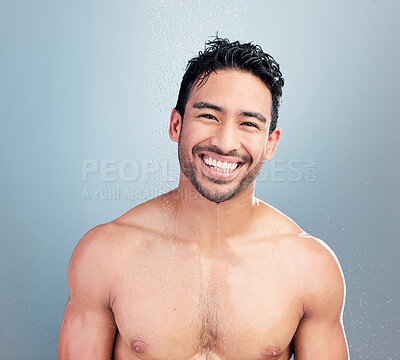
{"x": 219, "y": 165}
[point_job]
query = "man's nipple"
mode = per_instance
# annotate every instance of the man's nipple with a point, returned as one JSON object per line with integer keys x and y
{"x": 138, "y": 346}
{"x": 272, "y": 351}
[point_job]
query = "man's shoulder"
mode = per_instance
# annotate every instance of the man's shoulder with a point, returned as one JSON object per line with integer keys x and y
{"x": 319, "y": 275}
{"x": 312, "y": 252}
{"x": 316, "y": 269}
{"x": 92, "y": 250}
{"x": 88, "y": 274}
{"x": 145, "y": 216}
{"x": 97, "y": 239}
{"x": 126, "y": 230}
{"x": 312, "y": 258}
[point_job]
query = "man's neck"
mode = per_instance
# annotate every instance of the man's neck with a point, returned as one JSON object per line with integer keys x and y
{"x": 208, "y": 223}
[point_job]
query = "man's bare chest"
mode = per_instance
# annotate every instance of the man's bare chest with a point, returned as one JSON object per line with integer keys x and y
{"x": 168, "y": 306}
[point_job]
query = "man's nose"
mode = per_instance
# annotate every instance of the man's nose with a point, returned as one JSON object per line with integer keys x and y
{"x": 226, "y": 138}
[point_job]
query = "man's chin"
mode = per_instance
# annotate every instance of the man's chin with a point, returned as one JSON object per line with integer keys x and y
{"x": 215, "y": 189}
{"x": 219, "y": 181}
{"x": 217, "y": 195}
{"x": 218, "y": 198}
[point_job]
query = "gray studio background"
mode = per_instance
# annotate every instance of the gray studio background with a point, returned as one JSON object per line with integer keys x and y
{"x": 86, "y": 89}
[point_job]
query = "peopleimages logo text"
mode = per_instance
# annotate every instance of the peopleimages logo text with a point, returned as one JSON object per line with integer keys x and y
{"x": 164, "y": 171}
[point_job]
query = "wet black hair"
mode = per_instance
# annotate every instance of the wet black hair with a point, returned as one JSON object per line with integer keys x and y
{"x": 222, "y": 54}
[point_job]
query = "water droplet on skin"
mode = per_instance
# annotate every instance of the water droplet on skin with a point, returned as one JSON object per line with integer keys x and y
{"x": 218, "y": 229}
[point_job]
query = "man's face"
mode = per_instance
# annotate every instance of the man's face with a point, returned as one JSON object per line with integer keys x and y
{"x": 222, "y": 141}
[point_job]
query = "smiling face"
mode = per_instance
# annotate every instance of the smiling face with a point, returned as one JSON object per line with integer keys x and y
{"x": 223, "y": 138}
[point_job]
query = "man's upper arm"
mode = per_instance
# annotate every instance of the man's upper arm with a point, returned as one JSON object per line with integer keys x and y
{"x": 88, "y": 328}
{"x": 320, "y": 334}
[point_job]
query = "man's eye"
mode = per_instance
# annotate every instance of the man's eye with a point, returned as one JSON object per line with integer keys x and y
{"x": 248, "y": 123}
{"x": 208, "y": 116}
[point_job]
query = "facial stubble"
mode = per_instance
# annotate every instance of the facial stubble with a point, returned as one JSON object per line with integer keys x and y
{"x": 187, "y": 167}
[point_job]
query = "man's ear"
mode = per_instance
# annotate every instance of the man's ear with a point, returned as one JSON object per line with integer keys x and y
{"x": 272, "y": 143}
{"x": 175, "y": 125}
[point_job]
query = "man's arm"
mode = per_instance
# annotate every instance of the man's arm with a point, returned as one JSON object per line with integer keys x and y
{"x": 88, "y": 328}
{"x": 320, "y": 334}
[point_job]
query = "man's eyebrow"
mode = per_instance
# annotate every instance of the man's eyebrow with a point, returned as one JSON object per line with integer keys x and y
{"x": 207, "y": 105}
{"x": 257, "y": 115}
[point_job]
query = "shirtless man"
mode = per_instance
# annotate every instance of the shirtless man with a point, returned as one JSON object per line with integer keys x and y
{"x": 208, "y": 271}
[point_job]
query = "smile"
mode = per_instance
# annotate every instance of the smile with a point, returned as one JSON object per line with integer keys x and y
{"x": 218, "y": 165}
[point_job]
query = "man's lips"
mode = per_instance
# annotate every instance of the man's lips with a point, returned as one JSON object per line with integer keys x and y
{"x": 215, "y": 153}
{"x": 220, "y": 165}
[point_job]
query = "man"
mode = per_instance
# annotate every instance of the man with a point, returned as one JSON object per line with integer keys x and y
{"x": 208, "y": 271}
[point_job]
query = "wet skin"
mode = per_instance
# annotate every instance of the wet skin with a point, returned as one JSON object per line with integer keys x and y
{"x": 190, "y": 300}
{"x": 174, "y": 279}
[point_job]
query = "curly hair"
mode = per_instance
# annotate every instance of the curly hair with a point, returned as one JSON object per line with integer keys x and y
{"x": 222, "y": 54}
